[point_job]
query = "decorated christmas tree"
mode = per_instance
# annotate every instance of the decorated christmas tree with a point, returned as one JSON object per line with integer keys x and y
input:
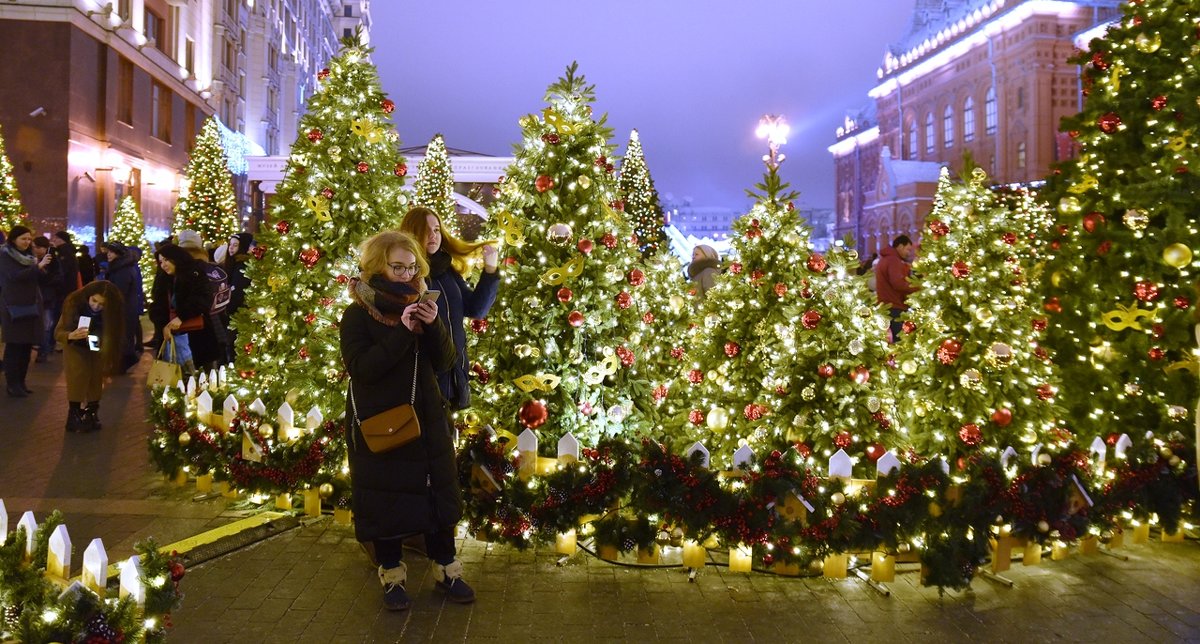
{"x": 208, "y": 206}
{"x": 434, "y": 186}
{"x": 342, "y": 184}
{"x": 129, "y": 229}
{"x": 789, "y": 348}
{"x": 1121, "y": 295}
{"x": 561, "y": 351}
{"x": 11, "y": 212}
{"x": 640, "y": 199}
{"x": 976, "y": 376}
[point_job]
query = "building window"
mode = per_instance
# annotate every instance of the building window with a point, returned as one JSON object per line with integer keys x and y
{"x": 125, "y": 91}
{"x": 348, "y": 11}
{"x": 156, "y": 31}
{"x": 968, "y": 120}
{"x": 231, "y": 8}
{"x": 125, "y": 10}
{"x": 347, "y": 33}
{"x": 272, "y": 99}
{"x": 229, "y": 55}
{"x": 1020, "y": 98}
{"x": 1021, "y": 155}
{"x": 989, "y": 112}
{"x": 160, "y": 112}
{"x": 189, "y": 125}
{"x": 948, "y": 127}
{"x": 272, "y": 58}
{"x": 189, "y": 56}
{"x": 912, "y": 140}
{"x": 929, "y": 134}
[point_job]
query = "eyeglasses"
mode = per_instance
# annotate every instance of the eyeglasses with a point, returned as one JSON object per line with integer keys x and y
{"x": 400, "y": 269}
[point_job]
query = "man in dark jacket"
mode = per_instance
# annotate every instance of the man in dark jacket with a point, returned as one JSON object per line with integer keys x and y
{"x": 891, "y": 280}
{"x": 87, "y": 265}
{"x": 50, "y": 285}
{"x": 124, "y": 273}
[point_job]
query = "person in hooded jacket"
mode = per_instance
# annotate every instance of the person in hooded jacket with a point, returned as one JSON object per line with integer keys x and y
{"x": 448, "y": 259}
{"x": 237, "y": 253}
{"x": 189, "y": 296}
{"x": 704, "y": 268}
{"x": 126, "y": 276}
{"x": 21, "y": 308}
{"x": 92, "y": 350}
{"x": 393, "y": 346}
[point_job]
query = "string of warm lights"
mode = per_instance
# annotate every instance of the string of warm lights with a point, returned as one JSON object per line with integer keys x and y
{"x": 208, "y": 205}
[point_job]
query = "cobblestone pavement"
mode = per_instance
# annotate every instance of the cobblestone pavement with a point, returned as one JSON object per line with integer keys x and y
{"x": 313, "y": 584}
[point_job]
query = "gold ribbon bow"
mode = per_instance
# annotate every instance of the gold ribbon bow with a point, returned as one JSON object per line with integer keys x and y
{"x": 367, "y": 130}
{"x": 1184, "y": 365}
{"x": 598, "y": 372}
{"x": 530, "y": 382}
{"x": 557, "y": 121}
{"x": 511, "y": 227}
{"x": 570, "y": 270}
{"x": 319, "y": 205}
{"x": 1087, "y": 183}
{"x": 1124, "y": 317}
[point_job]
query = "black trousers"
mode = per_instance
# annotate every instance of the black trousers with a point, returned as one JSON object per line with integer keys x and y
{"x": 897, "y": 325}
{"x": 16, "y": 363}
{"x": 439, "y": 546}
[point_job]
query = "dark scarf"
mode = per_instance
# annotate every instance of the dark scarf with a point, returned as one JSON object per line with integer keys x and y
{"x": 439, "y": 263}
{"x": 698, "y": 266}
{"x": 384, "y": 300}
{"x": 24, "y": 259}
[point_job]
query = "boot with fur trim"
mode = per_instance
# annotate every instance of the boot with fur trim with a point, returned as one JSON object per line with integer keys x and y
{"x": 393, "y": 580}
{"x": 449, "y": 579}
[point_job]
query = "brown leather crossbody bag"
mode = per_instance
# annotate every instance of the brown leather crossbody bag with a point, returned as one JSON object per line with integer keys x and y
{"x": 394, "y": 427}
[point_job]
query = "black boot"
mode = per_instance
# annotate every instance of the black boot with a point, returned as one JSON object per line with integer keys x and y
{"x": 91, "y": 417}
{"x": 75, "y": 421}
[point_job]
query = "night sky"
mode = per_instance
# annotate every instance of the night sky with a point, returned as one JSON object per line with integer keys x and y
{"x": 693, "y": 76}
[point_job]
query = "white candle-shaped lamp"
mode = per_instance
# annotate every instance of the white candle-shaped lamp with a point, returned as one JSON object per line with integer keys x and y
{"x": 29, "y": 524}
{"x": 694, "y": 554}
{"x": 743, "y": 457}
{"x": 212, "y": 380}
{"x": 58, "y": 557}
{"x": 1123, "y": 445}
{"x": 95, "y": 567}
{"x": 204, "y": 403}
{"x": 886, "y": 464}
{"x": 1007, "y": 456}
{"x": 287, "y": 422}
{"x": 182, "y": 387}
{"x": 740, "y": 558}
{"x": 257, "y": 407}
{"x": 1099, "y": 450}
{"x": 191, "y": 387}
{"x": 3, "y": 523}
{"x": 841, "y": 466}
{"x": 527, "y": 448}
{"x": 564, "y": 542}
{"x": 221, "y": 378}
{"x": 313, "y": 420}
{"x": 132, "y": 585}
{"x": 698, "y": 447}
{"x": 568, "y": 452}
{"x": 202, "y": 383}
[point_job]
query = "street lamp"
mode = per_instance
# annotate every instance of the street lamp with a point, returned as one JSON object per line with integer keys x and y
{"x": 773, "y": 128}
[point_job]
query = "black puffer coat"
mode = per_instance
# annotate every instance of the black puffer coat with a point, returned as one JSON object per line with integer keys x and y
{"x": 414, "y": 488}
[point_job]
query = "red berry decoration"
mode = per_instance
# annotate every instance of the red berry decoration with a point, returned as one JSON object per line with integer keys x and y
{"x": 811, "y": 319}
{"x": 609, "y": 240}
{"x": 695, "y": 376}
{"x": 1038, "y": 324}
{"x": 283, "y": 226}
{"x": 1052, "y": 305}
{"x": 948, "y": 352}
{"x": 803, "y": 449}
{"x": 875, "y": 451}
{"x": 342, "y": 279}
{"x": 1045, "y": 392}
{"x": 387, "y": 106}
{"x": 1146, "y": 291}
{"x": 400, "y": 170}
{"x": 617, "y": 204}
{"x": 677, "y": 353}
{"x": 481, "y": 373}
{"x": 551, "y": 138}
{"x": 304, "y": 353}
{"x": 309, "y": 257}
{"x": 575, "y": 319}
{"x": 816, "y": 263}
{"x": 309, "y": 318}
{"x": 938, "y": 228}
{"x": 909, "y": 327}
{"x": 732, "y": 349}
{"x": 860, "y": 374}
{"x": 323, "y": 74}
{"x": 648, "y": 318}
{"x": 1098, "y": 60}
{"x": 533, "y": 414}
{"x": 326, "y": 302}
{"x": 1182, "y": 302}
{"x": 479, "y": 327}
{"x": 626, "y": 356}
{"x": 780, "y": 390}
{"x": 752, "y": 233}
{"x": 696, "y": 417}
{"x": 1156, "y": 353}
{"x": 637, "y": 277}
{"x": 826, "y": 371}
{"x": 970, "y": 434}
{"x": 1158, "y": 102}
{"x": 735, "y": 268}
{"x": 624, "y": 300}
{"x": 258, "y": 251}
{"x": 1009, "y": 238}
{"x": 754, "y": 411}
{"x": 363, "y": 167}
{"x": 780, "y": 290}
{"x": 960, "y": 269}
{"x": 659, "y": 393}
{"x": 601, "y": 161}
{"x": 564, "y": 294}
{"x": 843, "y": 440}
{"x": 1109, "y": 122}
{"x": 585, "y": 246}
{"x": 327, "y": 193}
{"x": 1002, "y": 417}
{"x": 543, "y": 183}
{"x": 315, "y": 135}
{"x": 248, "y": 348}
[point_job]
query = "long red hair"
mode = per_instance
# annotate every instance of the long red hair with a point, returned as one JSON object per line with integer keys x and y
{"x": 416, "y": 223}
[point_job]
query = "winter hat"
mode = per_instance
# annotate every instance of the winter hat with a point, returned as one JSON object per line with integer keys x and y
{"x": 117, "y": 248}
{"x": 63, "y": 235}
{"x": 189, "y": 239}
{"x": 16, "y": 232}
{"x": 708, "y": 251}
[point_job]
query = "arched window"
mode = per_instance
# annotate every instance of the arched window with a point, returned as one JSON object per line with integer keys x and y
{"x": 929, "y": 134}
{"x": 948, "y": 127}
{"x": 968, "y": 120}
{"x": 912, "y": 140}
{"x": 989, "y": 111}
{"x": 1021, "y": 155}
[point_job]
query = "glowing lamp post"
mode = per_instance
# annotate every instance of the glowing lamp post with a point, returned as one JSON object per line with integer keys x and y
{"x": 774, "y": 129}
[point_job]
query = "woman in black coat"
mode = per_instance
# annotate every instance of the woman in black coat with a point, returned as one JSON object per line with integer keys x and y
{"x": 21, "y": 308}
{"x": 126, "y": 276}
{"x": 188, "y": 297}
{"x": 389, "y": 340}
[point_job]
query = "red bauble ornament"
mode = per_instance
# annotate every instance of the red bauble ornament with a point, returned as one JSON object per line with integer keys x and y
{"x": 860, "y": 374}
{"x": 1002, "y": 417}
{"x": 601, "y": 161}
{"x": 960, "y": 269}
{"x": 1038, "y": 324}
{"x": 1158, "y": 102}
{"x": 909, "y": 326}
{"x": 303, "y": 353}
{"x": 1103, "y": 248}
{"x": 609, "y": 168}
{"x": 875, "y": 451}
{"x": 803, "y": 449}
{"x": 309, "y": 318}
{"x": 752, "y": 233}
{"x": 970, "y": 434}
{"x": 816, "y": 263}
{"x": 806, "y": 293}
{"x": 323, "y": 74}
{"x": 309, "y": 257}
{"x": 387, "y": 106}
{"x": 609, "y": 240}
{"x": 1182, "y": 302}
{"x": 732, "y": 349}
{"x": 626, "y": 356}
{"x": 258, "y": 251}
{"x": 1092, "y": 221}
{"x": 533, "y": 414}
{"x": 780, "y": 290}
{"x": 1052, "y": 305}
{"x": 510, "y": 261}
{"x": 810, "y": 319}
{"x": 551, "y": 138}
{"x": 327, "y": 192}
{"x": 677, "y": 353}
{"x": 481, "y": 373}
{"x": 735, "y": 268}
{"x": 938, "y": 228}
{"x": 637, "y": 277}
{"x": 1109, "y": 122}
{"x": 1156, "y": 353}
{"x": 843, "y": 440}
{"x": 564, "y": 294}
{"x": 1009, "y": 238}
{"x": 543, "y": 183}
{"x": 400, "y": 170}
{"x": 624, "y": 300}
{"x": 585, "y": 246}
{"x": 617, "y": 204}
{"x": 826, "y": 370}
{"x": 1146, "y": 291}
{"x": 248, "y": 348}
{"x": 1045, "y": 392}
{"x": 315, "y": 135}
{"x": 756, "y": 275}
{"x": 1055, "y": 245}
{"x": 1158, "y": 330}
{"x": 363, "y": 167}
{"x": 575, "y": 319}
{"x": 948, "y": 352}
{"x": 479, "y": 327}
{"x": 780, "y": 390}
{"x": 696, "y": 417}
{"x": 659, "y": 393}
{"x": 695, "y": 376}
{"x": 283, "y": 226}
{"x": 754, "y": 411}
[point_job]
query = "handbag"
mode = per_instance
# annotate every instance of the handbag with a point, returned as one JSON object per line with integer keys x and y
{"x": 22, "y": 311}
{"x": 394, "y": 427}
{"x": 164, "y": 373}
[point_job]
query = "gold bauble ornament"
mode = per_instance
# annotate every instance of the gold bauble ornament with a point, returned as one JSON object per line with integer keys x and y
{"x": 524, "y": 350}
{"x": 873, "y": 404}
{"x": 718, "y": 419}
{"x": 1057, "y": 277}
{"x": 1177, "y": 255}
{"x": 863, "y": 312}
{"x": 1069, "y": 206}
{"x": 1148, "y": 44}
{"x": 971, "y": 379}
{"x": 999, "y": 354}
{"x": 325, "y": 490}
{"x": 533, "y": 302}
{"x": 984, "y": 315}
{"x": 1136, "y": 220}
{"x": 837, "y": 498}
{"x": 471, "y": 419}
{"x": 275, "y": 281}
{"x": 808, "y": 393}
{"x": 677, "y": 303}
{"x": 1044, "y": 459}
{"x": 559, "y": 234}
{"x": 185, "y": 439}
{"x": 525, "y": 121}
{"x": 269, "y": 312}
{"x": 584, "y": 181}
{"x": 908, "y": 367}
{"x": 935, "y": 510}
{"x": 614, "y": 273}
{"x": 265, "y": 431}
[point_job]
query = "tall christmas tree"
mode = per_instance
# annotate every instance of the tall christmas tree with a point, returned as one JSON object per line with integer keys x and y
{"x": 561, "y": 350}
{"x": 343, "y": 183}
{"x": 434, "y": 186}
{"x": 1122, "y": 287}
{"x": 789, "y": 347}
{"x": 640, "y": 199}
{"x": 970, "y": 354}
{"x": 208, "y": 207}
{"x": 129, "y": 229}
{"x": 11, "y": 212}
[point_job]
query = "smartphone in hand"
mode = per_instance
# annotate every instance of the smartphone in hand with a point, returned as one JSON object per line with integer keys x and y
{"x": 85, "y": 322}
{"x": 430, "y": 296}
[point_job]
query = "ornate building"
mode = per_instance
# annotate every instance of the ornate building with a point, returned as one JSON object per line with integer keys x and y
{"x": 980, "y": 81}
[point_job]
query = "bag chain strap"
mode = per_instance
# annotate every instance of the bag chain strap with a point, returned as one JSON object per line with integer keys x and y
{"x": 412, "y": 398}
